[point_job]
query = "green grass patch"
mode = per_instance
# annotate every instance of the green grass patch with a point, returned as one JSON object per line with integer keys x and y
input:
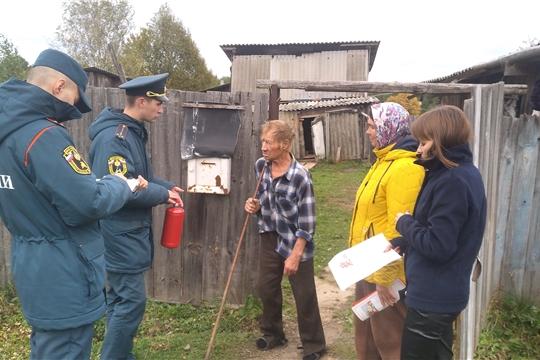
{"x": 511, "y": 331}
{"x": 346, "y": 317}
{"x": 14, "y": 331}
{"x": 335, "y": 186}
{"x": 168, "y": 331}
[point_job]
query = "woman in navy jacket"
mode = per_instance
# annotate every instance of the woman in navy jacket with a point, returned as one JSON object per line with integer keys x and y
{"x": 442, "y": 238}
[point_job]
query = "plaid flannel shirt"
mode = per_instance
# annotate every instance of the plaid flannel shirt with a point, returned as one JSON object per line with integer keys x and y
{"x": 287, "y": 207}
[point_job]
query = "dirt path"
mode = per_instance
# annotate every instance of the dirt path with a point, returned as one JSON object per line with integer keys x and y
{"x": 331, "y": 301}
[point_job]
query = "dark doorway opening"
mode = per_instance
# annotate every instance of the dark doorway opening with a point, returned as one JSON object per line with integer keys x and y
{"x": 308, "y": 136}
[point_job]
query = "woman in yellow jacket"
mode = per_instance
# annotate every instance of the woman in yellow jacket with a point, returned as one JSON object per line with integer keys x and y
{"x": 391, "y": 186}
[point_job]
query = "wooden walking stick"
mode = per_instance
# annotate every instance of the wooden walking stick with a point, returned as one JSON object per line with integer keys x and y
{"x": 209, "y": 350}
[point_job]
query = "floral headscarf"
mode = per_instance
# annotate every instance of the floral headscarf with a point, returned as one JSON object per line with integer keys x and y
{"x": 391, "y": 122}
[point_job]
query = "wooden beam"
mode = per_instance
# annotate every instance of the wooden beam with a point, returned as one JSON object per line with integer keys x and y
{"x": 273, "y": 109}
{"x": 117, "y": 65}
{"x": 374, "y": 87}
{"x": 214, "y": 106}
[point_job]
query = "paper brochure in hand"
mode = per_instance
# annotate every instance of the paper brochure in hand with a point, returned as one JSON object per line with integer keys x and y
{"x": 371, "y": 303}
{"x": 355, "y": 263}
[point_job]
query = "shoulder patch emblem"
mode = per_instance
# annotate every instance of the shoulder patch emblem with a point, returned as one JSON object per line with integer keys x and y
{"x": 75, "y": 160}
{"x": 117, "y": 164}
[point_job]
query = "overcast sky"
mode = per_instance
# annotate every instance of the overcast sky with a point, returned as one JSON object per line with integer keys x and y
{"x": 419, "y": 40}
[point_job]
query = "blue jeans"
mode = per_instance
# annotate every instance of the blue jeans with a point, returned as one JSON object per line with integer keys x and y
{"x": 62, "y": 344}
{"x": 126, "y": 302}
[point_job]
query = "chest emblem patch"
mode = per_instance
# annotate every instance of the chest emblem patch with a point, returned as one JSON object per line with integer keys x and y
{"x": 75, "y": 160}
{"x": 117, "y": 164}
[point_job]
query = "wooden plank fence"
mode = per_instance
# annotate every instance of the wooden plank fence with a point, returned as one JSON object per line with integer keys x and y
{"x": 506, "y": 151}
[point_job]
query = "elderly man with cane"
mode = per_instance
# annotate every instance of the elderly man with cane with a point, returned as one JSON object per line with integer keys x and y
{"x": 285, "y": 207}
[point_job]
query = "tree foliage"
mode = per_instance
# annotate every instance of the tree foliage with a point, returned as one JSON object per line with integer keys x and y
{"x": 410, "y": 103}
{"x": 530, "y": 42}
{"x": 165, "y": 46}
{"x": 224, "y": 80}
{"x": 88, "y": 26}
{"x": 11, "y": 63}
{"x": 429, "y": 102}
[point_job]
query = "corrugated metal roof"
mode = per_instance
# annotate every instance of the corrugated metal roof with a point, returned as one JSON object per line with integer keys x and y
{"x": 449, "y": 77}
{"x": 316, "y": 43}
{"x": 527, "y": 55}
{"x": 318, "y": 104}
{"x": 300, "y": 48}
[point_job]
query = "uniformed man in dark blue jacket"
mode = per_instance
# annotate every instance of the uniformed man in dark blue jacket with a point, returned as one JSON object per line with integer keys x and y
{"x": 119, "y": 140}
{"x": 50, "y": 202}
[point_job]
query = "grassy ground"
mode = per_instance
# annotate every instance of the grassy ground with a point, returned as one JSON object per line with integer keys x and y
{"x": 512, "y": 331}
{"x": 335, "y": 188}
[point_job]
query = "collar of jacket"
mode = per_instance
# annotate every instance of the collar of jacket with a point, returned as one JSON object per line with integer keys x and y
{"x": 381, "y": 153}
{"x": 133, "y": 124}
{"x": 39, "y": 101}
{"x": 460, "y": 154}
{"x": 392, "y": 152}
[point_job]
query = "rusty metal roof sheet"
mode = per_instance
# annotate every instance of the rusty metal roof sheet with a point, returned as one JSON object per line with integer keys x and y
{"x": 319, "y": 104}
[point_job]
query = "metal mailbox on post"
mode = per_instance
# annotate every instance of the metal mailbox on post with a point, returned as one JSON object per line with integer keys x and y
{"x": 208, "y": 142}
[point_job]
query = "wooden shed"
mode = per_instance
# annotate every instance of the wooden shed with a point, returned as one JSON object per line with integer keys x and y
{"x": 340, "y": 61}
{"x": 329, "y": 129}
{"x": 102, "y": 78}
{"x": 520, "y": 67}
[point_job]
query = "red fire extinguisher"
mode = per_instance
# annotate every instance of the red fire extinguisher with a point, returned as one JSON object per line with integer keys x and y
{"x": 172, "y": 227}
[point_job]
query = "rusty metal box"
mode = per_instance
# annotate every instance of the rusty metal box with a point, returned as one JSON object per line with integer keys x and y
{"x": 209, "y": 176}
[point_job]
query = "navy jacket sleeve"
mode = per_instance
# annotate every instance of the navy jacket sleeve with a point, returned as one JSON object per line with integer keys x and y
{"x": 65, "y": 179}
{"x": 437, "y": 237}
{"x": 166, "y": 184}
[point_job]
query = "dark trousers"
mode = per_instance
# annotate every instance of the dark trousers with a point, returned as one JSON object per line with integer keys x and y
{"x": 126, "y": 302}
{"x": 379, "y": 336}
{"x": 62, "y": 344}
{"x": 271, "y": 266}
{"x": 427, "y": 335}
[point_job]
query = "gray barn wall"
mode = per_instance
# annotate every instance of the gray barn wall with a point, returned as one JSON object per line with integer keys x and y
{"x": 349, "y": 65}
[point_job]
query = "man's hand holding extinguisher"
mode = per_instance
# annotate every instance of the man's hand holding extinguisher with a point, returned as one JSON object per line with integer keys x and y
{"x": 174, "y": 196}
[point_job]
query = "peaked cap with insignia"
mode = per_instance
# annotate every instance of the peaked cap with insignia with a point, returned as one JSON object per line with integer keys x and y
{"x": 150, "y": 86}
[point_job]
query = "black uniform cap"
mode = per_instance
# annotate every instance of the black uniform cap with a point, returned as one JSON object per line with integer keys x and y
{"x": 150, "y": 86}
